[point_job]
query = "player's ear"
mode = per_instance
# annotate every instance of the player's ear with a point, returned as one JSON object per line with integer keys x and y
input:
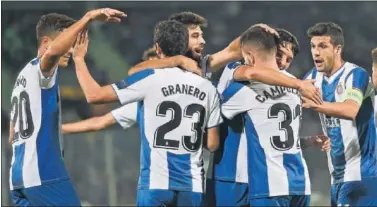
{"x": 339, "y": 49}
{"x": 158, "y": 50}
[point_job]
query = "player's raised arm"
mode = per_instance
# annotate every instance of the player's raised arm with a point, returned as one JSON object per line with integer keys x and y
{"x": 356, "y": 87}
{"x": 64, "y": 41}
{"x": 233, "y": 51}
{"x": 168, "y": 62}
{"x": 94, "y": 93}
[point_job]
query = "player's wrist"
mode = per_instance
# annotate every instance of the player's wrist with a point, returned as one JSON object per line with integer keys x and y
{"x": 78, "y": 58}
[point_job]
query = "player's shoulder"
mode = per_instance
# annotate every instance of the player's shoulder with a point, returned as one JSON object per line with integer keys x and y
{"x": 233, "y": 65}
{"x": 288, "y": 73}
{"x": 351, "y": 68}
{"x": 311, "y": 74}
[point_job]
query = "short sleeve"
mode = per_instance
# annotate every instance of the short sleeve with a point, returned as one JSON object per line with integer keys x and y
{"x": 126, "y": 115}
{"x": 236, "y": 99}
{"x": 135, "y": 87}
{"x": 215, "y": 118}
{"x": 227, "y": 76}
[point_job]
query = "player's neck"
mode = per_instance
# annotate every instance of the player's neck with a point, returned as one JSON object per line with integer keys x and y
{"x": 41, "y": 51}
{"x": 337, "y": 66}
{"x": 268, "y": 64}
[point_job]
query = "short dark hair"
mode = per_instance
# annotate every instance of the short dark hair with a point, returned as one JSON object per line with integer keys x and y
{"x": 328, "y": 29}
{"x": 189, "y": 18}
{"x": 258, "y": 37}
{"x": 172, "y": 37}
{"x": 374, "y": 55}
{"x": 150, "y": 52}
{"x": 52, "y": 23}
{"x": 285, "y": 36}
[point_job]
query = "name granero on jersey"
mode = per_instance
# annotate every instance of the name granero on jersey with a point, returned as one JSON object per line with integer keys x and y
{"x": 21, "y": 80}
{"x": 183, "y": 89}
{"x": 275, "y": 92}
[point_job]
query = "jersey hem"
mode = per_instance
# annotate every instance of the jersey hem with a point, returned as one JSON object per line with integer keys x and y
{"x": 186, "y": 189}
{"x": 355, "y": 180}
{"x": 42, "y": 183}
{"x": 266, "y": 195}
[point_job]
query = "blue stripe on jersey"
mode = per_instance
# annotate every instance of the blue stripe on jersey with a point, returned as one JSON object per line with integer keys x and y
{"x": 337, "y": 147}
{"x": 233, "y": 65}
{"x": 231, "y": 91}
{"x": 258, "y": 175}
{"x": 295, "y": 172}
{"x": 35, "y": 61}
{"x": 145, "y": 152}
{"x": 50, "y": 161}
{"x": 225, "y": 158}
{"x": 179, "y": 167}
{"x": 360, "y": 79}
{"x": 134, "y": 78}
{"x": 312, "y": 72}
{"x": 17, "y": 179}
{"x": 366, "y": 131}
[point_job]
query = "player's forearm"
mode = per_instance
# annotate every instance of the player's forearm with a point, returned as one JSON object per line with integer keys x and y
{"x": 343, "y": 110}
{"x": 93, "y": 92}
{"x": 63, "y": 43}
{"x": 11, "y": 132}
{"x": 265, "y": 75}
{"x": 229, "y": 54}
{"x": 156, "y": 64}
{"x": 92, "y": 124}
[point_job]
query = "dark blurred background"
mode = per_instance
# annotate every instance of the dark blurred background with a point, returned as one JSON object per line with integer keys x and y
{"x": 104, "y": 165}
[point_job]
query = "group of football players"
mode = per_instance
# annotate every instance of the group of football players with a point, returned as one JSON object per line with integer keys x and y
{"x": 249, "y": 120}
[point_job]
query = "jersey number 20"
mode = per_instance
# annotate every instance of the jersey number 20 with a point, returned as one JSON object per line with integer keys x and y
{"x": 23, "y": 114}
{"x": 191, "y": 144}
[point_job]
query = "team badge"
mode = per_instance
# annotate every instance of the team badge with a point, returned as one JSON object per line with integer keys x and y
{"x": 339, "y": 89}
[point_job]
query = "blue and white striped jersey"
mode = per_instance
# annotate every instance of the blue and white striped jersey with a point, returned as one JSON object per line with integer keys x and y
{"x": 271, "y": 121}
{"x": 174, "y": 109}
{"x": 126, "y": 116}
{"x": 37, "y": 156}
{"x": 229, "y": 162}
{"x": 353, "y": 154}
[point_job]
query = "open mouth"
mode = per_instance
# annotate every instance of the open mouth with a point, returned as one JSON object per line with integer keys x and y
{"x": 198, "y": 50}
{"x": 318, "y": 62}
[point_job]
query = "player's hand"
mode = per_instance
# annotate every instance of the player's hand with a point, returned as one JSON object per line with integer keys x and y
{"x": 189, "y": 65}
{"x": 308, "y": 104}
{"x": 308, "y": 90}
{"x": 81, "y": 46}
{"x": 321, "y": 141}
{"x": 267, "y": 29}
{"x": 106, "y": 15}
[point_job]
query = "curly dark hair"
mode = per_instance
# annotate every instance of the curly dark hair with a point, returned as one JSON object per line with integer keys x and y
{"x": 285, "y": 36}
{"x": 328, "y": 29}
{"x": 52, "y": 23}
{"x": 189, "y": 18}
{"x": 172, "y": 37}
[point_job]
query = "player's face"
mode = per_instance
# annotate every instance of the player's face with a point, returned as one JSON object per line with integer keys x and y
{"x": 196, "y": 42}
{"x": 64, "y": 60}
{"x": 284, "y": 56}
{"x": 323, "y": 53}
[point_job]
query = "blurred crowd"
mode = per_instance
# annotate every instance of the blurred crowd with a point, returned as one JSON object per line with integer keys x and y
{"x": 104, "y": 165}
